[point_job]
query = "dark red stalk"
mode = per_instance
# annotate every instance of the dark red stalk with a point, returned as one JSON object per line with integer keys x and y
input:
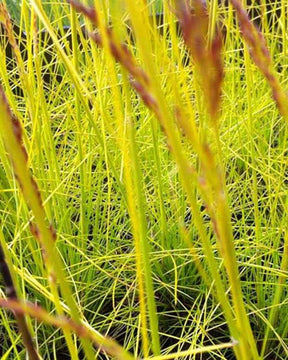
{"x": 106, "y": 344}
{"x": 20, "y": 318}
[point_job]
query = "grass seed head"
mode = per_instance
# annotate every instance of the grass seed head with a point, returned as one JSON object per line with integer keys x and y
{"x": 260, "y": 54}
{"x": 89, "y": 11}
{"x": 194, "y": 22}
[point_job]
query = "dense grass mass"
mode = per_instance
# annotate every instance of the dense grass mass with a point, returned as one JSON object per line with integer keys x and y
{"x": 162, "y": 169}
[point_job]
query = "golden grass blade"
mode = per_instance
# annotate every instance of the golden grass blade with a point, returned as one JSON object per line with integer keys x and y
{"x": 191, "y": 352}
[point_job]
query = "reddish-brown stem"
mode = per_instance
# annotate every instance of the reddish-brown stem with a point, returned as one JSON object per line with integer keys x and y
{"x": 20, "y": 318}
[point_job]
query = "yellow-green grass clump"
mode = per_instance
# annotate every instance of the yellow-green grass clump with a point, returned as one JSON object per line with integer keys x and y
{"x": 143, "y": 200}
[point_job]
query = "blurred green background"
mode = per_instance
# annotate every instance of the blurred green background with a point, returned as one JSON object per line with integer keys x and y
{"x": 14, "y": 6}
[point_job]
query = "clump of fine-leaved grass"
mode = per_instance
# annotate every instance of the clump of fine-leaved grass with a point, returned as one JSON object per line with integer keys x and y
{"x": 165, "y": 181}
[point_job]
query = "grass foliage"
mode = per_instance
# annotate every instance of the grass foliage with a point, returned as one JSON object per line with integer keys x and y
{"x": 143, "y": 180}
